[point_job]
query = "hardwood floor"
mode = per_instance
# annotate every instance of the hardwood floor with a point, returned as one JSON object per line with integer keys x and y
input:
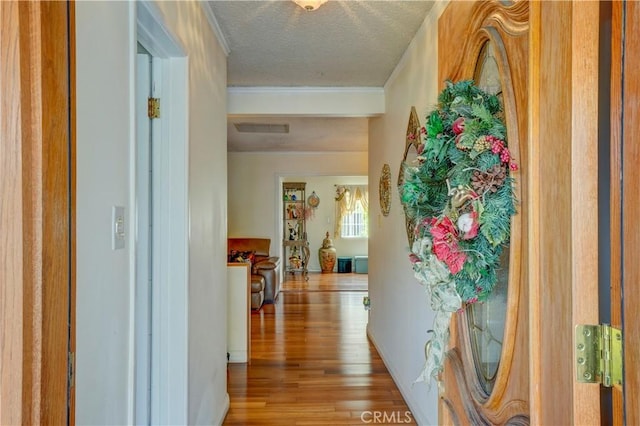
{"x": 311, "y": 361}
{"x": 326, "y": 282}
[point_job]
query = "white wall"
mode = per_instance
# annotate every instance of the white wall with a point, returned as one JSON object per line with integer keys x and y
{"x": 400, "y": 314}
{"x": 255, "y": 188}
{"x": 323, "y": 218}
{"x": 105, "y": 34}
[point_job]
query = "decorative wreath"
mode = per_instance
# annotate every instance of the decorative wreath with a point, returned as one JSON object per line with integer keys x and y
{"x": 460, "y": 194}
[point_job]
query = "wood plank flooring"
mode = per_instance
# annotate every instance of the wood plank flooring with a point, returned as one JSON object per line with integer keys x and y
{"x": 311, "y": 361}
{"x": 326, "y": 282}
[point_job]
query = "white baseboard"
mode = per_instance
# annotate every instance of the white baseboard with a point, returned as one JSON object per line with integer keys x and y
{"x": 394, "y": 375}
{"x": 238, "y": 356}
{"x": 225, "y": 410}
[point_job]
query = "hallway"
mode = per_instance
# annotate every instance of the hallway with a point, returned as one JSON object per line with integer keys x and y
{"x": 312, "y": 363}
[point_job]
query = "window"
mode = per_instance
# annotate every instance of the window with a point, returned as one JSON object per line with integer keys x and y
{"x": 352, "y": 204}
{"x": 354, "y": 223}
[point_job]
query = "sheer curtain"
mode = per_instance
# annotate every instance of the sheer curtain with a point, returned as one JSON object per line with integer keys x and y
{"x": 346, "y": 198}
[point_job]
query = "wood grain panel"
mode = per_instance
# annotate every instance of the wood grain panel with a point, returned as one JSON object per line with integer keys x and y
{"x": 584, "y": 190}
{"x": 55, "y": 210}
{"x": 554, "y": 209}
{"x": 31, "y": 67}
{"x": 11, "y": 293}
{"x": 564, "y": 172}
{"x": 39, "y": 294}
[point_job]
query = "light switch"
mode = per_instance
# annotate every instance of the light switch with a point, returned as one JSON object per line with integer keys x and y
{"x": 118, "y": 228}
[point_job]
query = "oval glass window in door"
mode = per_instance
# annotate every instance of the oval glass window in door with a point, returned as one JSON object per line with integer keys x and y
{"x": 486, "y": 321}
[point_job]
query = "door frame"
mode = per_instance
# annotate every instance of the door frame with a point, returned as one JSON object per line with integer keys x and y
{"x": 170, "y": 317}
{"x": 37, "y": 212}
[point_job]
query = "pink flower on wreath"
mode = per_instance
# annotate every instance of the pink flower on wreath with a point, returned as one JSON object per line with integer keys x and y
{"x": 445, "y": 244}
{"x": 458, "y": 125}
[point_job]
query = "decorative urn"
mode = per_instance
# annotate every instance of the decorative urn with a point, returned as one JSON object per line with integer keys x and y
{"x": 327, "y": 255}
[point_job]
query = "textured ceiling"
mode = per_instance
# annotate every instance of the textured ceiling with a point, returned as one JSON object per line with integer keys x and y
{"x": 342, "y": 44}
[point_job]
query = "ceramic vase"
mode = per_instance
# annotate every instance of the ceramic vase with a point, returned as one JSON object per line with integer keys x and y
{"x": 327, "y": 255}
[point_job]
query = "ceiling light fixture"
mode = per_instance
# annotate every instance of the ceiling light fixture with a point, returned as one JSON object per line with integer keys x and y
{"x": 309, "y": 5}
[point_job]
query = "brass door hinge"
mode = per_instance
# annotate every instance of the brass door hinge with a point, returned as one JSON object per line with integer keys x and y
{"x": 599, "y": 354}
{"x": 153, "y": 108}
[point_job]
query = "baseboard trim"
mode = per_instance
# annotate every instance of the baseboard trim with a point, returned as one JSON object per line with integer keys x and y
{"x": 225, "y": 410}
{"x": 238, "y": 356}
{"x": 394, "y": 375}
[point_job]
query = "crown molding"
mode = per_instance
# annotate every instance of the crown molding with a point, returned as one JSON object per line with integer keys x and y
{"x": 215, "y": 27}
{"x": 306, "y": 101}
{"x": 304, "y": 89}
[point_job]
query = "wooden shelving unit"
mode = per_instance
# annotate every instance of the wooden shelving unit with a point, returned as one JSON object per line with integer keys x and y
{"x": 294, "y": 244}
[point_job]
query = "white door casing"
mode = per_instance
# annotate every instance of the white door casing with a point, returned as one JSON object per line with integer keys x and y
{"x": 169, "y": 314}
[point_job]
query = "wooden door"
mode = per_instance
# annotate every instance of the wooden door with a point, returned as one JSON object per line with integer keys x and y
{"x": 467, "y": 31}
{"x": 549, "y": 73}
{"x": 36, "y": 258}
{"x": 625, "y": 202}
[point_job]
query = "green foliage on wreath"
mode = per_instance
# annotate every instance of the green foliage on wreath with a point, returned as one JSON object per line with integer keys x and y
{"x": 461, "y": 191}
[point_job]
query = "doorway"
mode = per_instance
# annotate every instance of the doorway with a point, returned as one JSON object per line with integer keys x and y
{"x": 321, "y": 219}
{"x": 160, "y": 181}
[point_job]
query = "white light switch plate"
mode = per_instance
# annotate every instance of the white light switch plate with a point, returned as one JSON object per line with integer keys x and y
{"x": 117, "y": 228}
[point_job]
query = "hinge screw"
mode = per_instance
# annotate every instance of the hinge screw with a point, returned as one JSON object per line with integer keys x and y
{"x": 580, "y": 347}
{"x": 580, "y": 360}
{"x": 587, "y": 376}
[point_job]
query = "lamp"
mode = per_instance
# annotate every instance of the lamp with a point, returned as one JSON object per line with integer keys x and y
{"x": 309, "y": 5}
